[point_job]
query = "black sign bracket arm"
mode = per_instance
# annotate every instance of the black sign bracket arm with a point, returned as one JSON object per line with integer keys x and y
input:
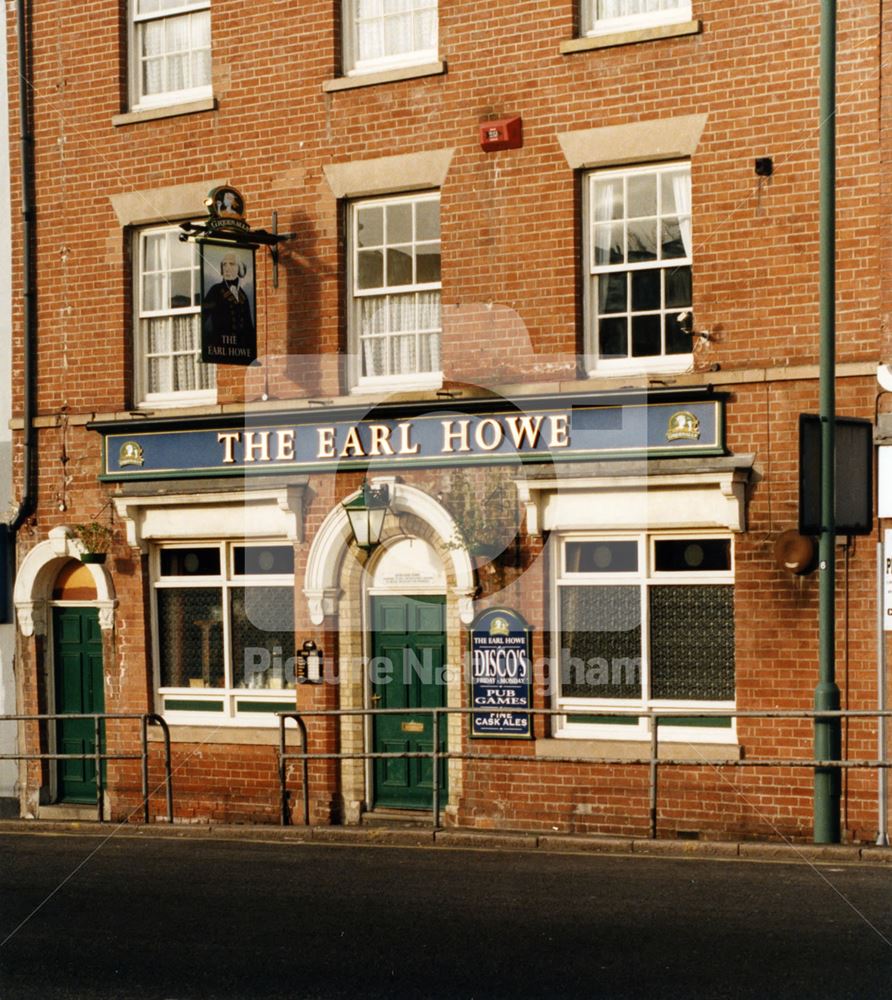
{"x": 242, "y": 237}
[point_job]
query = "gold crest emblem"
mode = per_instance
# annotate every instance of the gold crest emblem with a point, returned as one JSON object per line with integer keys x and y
{"x": 683, "y": 426}
{"x": 499, "y": 626}
{"x": 131, "y": 453}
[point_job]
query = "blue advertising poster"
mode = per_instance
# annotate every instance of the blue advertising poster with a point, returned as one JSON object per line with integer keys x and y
{"x": 501, "y": 675}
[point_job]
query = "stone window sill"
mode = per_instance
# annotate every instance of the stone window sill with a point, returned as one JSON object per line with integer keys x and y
{"x": 385, "y": 76}
{"x": 630, "y": 37}
{"x": 635, "y": 750}
{"x": 167, "y": 111}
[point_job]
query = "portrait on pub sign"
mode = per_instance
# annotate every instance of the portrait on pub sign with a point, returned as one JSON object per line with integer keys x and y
{"x": 228, "y": 305}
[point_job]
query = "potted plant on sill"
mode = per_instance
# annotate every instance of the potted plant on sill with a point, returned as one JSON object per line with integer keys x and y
{"x": 95, "y": 539}
{"x": 485, "y": 513}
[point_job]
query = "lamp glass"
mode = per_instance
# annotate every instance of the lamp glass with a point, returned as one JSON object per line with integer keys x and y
{"x": 366, "y": 514}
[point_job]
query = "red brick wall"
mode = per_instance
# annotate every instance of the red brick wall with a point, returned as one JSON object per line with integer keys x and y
{"x": 512, "y": 311}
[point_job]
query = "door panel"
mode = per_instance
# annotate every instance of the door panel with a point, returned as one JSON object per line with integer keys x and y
{"x": 78, "y": 682}
{"x": 409, "y": 646}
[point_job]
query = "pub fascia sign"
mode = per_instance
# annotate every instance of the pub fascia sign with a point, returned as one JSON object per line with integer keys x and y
{"x": 494, "y": 432}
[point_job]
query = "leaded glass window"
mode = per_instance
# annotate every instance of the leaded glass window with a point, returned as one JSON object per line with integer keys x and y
{"x": 224, "y": 615}
{"x": 645, "y": 622}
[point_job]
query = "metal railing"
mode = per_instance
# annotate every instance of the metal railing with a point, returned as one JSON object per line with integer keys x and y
{"x": 99, "y": 756}
{"x": 654, "y": 762}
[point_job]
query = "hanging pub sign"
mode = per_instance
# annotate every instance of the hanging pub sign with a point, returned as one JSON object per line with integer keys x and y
{"x": 501, "y": 675}
{"x": 228, "y": 328}
{"x": 228, "y": 287}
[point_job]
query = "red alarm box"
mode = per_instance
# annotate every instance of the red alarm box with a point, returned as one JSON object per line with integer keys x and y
{"x": 503, "y": 133}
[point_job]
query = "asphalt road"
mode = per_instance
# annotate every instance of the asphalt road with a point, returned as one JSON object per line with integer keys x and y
{"x": 189, "y": 919}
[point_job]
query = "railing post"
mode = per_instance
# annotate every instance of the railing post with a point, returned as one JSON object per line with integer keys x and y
{"x": 168, "y": 769}
{"x": 436, "y": 763}
{"x": 144, "y": 725}
{"x": 654, "y": 764}
{"x": 100, "y": 791}
{"x": 283, "y": 791}
{"x": 305, "y": 772}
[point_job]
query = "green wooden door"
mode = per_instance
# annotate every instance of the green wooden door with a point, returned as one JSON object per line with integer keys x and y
{"x": 78, "y": 667}
{"x": 409, "y": 646}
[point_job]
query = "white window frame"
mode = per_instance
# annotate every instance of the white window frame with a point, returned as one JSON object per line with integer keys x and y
{"x": 141, "y": 316}
{"x": 645, "y": 576}
{"x": 144, "y": 102}
{"x": 229, "y": 693}
{"x": 645, "y": 363}
{"x": 398, "y": 381}
{"x": 354, "y": 66}
{"x": 593, "y": 25}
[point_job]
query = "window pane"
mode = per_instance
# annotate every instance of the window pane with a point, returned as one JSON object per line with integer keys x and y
{"x": 158, "y": 375}
{"x": 613, "y": 338}
{"x": 262, "y": 624}
{"x": 399, "y": 266}
{"x": 607, "y": 199}
{"x": 399, "y": 223}
{"x": 642, "y": 195}
{"x": 642, "y": 241}
{"x": 677, "y": 341}
{"x": 370, "y": 268}
{"x": 190, "y": 637}
{"x": 370, "y": 227}
{"x": 692, "y": 642}
{"x": 427, "y": 264}
{"x": 185, "y": 329}
{"x": 601, "y": 557}
{"x": 601, "y": 642}
{"x": 181, "y": 290}
{"x": 427, "y": 220}
{"x": 678, "y": 288}
{"x": 692, "y": 554}
{"x": 645, "y": 336}
{"x": 672, "y": 243}
{"x": 646, "y": 290}
{"x": 153, "y": 293}
{"x": 612, "y": 293}
{"x": 191, "y": 562}
{"x": 256, "y": 560}
{"x": 608, "y": 245}
{"x": 158, "y": 331}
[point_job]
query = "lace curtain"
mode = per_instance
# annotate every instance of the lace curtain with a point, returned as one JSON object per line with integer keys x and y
{"x": 400, "y": 334}
{"x": 176, "y": 53}
{"x": 173, "y": 362}
{"x": 631, "y": 8}
{"x": 386, "y": 28}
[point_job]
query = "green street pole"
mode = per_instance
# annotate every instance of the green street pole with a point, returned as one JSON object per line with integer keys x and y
{"x": 827, "y": 731}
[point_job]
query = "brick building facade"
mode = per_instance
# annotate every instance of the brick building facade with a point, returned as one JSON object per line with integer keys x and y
{"x": 577, "y": 364}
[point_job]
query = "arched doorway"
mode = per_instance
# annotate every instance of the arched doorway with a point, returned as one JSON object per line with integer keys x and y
{"x": 77, "y": 679}
{"x": 65, "y": 613}
{"x": 406, "y": 616}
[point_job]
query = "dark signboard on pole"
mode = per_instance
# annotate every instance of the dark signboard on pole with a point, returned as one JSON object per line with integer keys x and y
{"x": 501, "y": 675}
{"x": 853, "y": 507}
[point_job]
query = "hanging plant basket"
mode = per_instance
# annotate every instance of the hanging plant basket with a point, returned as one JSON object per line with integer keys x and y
{"x": 93, "y": 557}
{"x": 95, "y": 541}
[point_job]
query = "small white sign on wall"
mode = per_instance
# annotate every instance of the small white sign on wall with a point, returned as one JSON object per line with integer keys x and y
{"x": 884, "y": 482}
{"x": 887, "y": 581}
